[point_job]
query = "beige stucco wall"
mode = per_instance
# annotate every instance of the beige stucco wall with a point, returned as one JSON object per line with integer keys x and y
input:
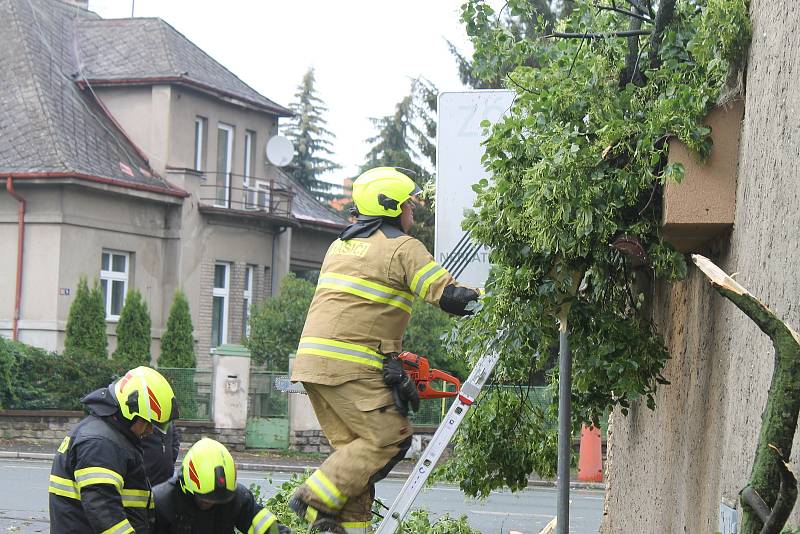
{"x": 66, "y": 230}
{"x": 670, "y": 469}
{"x": 160, "y": 119}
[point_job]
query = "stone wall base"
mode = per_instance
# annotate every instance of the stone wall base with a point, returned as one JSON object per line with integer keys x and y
{"x": 48, "y": 428}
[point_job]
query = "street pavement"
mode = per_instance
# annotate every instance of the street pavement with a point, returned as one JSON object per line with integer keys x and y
{"x": 23, "y": 501}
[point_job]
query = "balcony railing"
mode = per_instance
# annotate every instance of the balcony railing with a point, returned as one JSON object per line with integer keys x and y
{"x": 257, "y": 194}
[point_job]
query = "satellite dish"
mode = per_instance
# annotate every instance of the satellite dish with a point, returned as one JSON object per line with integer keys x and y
{"x": 280, "y": 151}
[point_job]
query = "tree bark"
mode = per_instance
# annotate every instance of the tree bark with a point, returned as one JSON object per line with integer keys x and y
{"x": 666, "y": 12}
{"x": 770, "y": 478}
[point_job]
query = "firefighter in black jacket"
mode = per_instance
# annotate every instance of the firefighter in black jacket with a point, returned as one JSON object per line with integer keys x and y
{"x": 204, "y": 497}
{"x": 160, "y": 451}
{"x": 98, "y": 482}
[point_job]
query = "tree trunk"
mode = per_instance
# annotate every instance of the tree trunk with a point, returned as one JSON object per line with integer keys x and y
{"x": 769, "y": 498}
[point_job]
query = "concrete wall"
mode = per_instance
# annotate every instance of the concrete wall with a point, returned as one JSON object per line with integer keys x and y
{"x": 670, "y": 469}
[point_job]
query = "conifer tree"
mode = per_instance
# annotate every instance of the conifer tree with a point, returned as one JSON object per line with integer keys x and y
{"x": 133, "y": 331}
{"x": 177, "y": 342}
{"x": 312, "y": 141}
{"x": 405, "y": 139}
{"x": 86, "y": 323}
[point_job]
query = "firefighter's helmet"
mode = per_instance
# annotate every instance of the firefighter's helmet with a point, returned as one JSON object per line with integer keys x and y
{"x": 382, "y": 190}
{"x": 144, "y": 392}
{"x": 208, "y": 472}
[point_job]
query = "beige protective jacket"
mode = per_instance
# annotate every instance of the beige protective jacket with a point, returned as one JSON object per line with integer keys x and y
{"x": 362, "y": 306}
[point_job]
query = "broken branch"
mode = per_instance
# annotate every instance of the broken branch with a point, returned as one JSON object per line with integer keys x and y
{"x": 624, "y": 33}
{"x": 624, "y": 12}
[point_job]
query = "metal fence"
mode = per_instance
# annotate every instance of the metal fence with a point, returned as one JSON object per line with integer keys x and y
{"x": 192, "y": 388}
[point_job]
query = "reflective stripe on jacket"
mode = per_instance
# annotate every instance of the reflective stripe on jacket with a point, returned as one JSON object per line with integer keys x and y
{"x": 98, "y": 482}
{"x": 362, "y": 306}
{"x": 176, "y": 513}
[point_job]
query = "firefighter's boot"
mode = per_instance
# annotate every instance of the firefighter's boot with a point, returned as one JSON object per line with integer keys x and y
{"x": 320, "y": 521}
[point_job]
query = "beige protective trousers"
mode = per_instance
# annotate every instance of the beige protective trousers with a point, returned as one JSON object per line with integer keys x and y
{"x": 367, "y": 433}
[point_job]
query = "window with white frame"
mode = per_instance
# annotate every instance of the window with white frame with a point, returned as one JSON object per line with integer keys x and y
{"x": 114, "y": 270}
{"x": 224, "y": 165}
{"x": 249, "y": 188}
{"x": 247, "y": 300}
{"x": 200, "y": 143}
{"x": 219, "y": 309}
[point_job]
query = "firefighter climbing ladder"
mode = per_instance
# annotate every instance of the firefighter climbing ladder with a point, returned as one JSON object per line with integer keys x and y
{"x": 458, "y": 410}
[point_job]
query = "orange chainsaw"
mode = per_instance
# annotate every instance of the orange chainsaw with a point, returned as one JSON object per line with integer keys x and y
{"x": 419, "y": 370}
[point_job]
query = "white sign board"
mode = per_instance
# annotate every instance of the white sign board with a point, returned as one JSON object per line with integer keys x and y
{"x": 458, "y": 167}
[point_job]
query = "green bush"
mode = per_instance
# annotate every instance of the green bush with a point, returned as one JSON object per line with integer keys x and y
{"x": 44, "y": 380}
{"x": 86, "y": 323}
{"x": 177, "y": 342}
{"x": 133, "y": 332}
{"x": 417, "y": 521}
{"x": 276, "y": 324}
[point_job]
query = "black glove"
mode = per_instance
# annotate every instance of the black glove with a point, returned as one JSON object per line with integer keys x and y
{"x": 404, "y": 390}
{"x": 283, "y": 529}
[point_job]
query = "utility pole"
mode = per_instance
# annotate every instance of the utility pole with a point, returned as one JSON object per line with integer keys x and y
{"x": 133, "y": 4}
{"x": 564, "y": 425}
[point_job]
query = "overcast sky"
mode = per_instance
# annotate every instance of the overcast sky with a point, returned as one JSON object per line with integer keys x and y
{"x": 365, "y": 52}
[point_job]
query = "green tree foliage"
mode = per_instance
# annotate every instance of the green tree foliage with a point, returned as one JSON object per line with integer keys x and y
{"x": 276, "y": 324}
{"x": 312, "y": 141}
{"x": 520, "y": 22}
{"x": 133, "y": 331}
{"x": 86, "y": 323}
{"x": 177, "y": 342}
{"x": 32, "y": 378}
{"x": 417, "y": 521}
{"x": 578, "y": 164}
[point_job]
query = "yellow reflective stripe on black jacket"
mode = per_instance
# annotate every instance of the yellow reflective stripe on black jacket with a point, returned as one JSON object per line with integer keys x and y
{"x": 63, "y": 487}
{"x": 262, "y": 522}
{"x": 340, "y": 350}
{"x": 367, "y": 289}
{"x": 134, "y": 498}
{"x": 123, "y": 527}
{"x": 97, "y": 475}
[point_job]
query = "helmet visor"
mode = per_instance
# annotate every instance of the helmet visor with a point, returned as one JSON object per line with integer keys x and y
{"x": 218, "y": 496}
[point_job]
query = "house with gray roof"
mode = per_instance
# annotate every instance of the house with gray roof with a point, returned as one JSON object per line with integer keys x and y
{"x": 129, "y": 155}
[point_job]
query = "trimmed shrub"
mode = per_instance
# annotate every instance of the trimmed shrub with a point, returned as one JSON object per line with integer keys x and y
{"x": 133, "y": 331}
{"x": 86, "y": 323}
{"x": 177, "y": 342}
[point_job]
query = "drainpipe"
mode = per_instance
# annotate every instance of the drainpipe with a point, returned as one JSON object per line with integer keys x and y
{"x": 20, "y": 249}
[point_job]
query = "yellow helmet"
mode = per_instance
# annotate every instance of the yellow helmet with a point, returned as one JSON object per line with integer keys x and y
{"x": 144, "y": 392}
{"x": 382, "y": 190}
{"x": 209, "y": 472}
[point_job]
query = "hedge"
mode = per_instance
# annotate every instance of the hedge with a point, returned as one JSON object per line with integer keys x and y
{"x": 32, "y": 378}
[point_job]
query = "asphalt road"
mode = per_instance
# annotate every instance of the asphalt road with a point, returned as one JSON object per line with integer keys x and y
{"x": 23, "y": 502}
